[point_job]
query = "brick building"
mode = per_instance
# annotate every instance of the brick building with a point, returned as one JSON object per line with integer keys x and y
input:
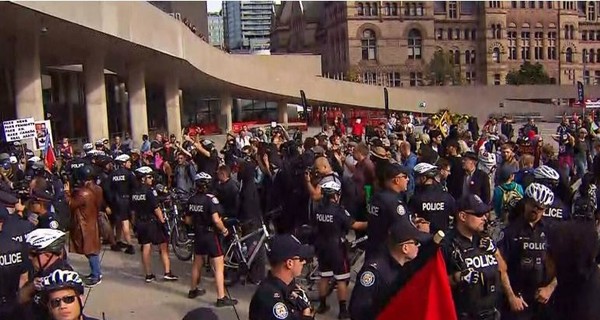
{"x": 389, "y": 43}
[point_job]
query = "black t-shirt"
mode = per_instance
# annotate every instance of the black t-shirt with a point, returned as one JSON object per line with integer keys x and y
{"x": 208, "y": 164}
{"x": 122, "y": 182}
{"x": 332, "y": 223}
{"x": 228, "y": 195}
{"x": 13, "y": 263}
{"x": 201, "y": 208}
{"x": 143, "y": 202}
{"x": 155, "y": 144}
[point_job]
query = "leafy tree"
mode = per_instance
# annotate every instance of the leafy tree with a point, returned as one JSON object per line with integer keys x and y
{"x": 352, "y": 74}
{"x": 441, "y": 70}
{"x": 528, "y": 74}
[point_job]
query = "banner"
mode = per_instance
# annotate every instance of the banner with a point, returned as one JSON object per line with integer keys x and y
{"x": 580, "y": 93}
{"x": 43, "y": 135}
{"x": 20, "y": 129}
{"x": 386, "y": 100}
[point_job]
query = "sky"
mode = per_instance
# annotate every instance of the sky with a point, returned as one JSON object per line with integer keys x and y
{"x": 213, "y": 6}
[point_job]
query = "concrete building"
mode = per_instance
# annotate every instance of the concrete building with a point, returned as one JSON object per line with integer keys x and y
{"x": 191, "y": 13}
{"x": 390, "y": 43}
{"x": 215, "y": 30}
{"x": 247, "y": 25}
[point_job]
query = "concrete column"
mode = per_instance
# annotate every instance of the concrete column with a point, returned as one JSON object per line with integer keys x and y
{"x": 173, "y": 107}
{"x": 226, "y": 107}
{"x": 72, "y": 100}
{"x": 237, "y": 106}
{"x": 95, "y": 96}
{"x": 282, "y": 113}
{"x": 137, "y": 103}
{"x": 124, "y": 114}
{"x": 28, "y": 80}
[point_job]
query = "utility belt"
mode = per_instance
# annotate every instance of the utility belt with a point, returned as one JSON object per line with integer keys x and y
{"x": 491, "y": 314}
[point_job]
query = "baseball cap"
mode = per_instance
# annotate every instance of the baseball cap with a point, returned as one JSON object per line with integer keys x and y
{"x": 472, "y": 204}
{"x": 402, "y": 231}
{"x": 392, "y": 170}
{"x": 285, "y": 246}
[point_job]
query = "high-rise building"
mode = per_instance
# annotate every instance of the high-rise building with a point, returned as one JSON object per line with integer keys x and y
{"x": 215, "y": 29}
{"x": 247, "y": 25}
{"x": 390, "y": 43}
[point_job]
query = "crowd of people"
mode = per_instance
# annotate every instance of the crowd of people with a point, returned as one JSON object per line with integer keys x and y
{"x": 517, "y": 219}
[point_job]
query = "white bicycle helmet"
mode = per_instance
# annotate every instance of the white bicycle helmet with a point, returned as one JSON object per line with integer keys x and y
{"x": 545, "y": 172}
{"x": 122, "y": 158}
{"x": 487, "y": 159}
{"x": 331, "y": 187}
{"x": 203, "y": 178}
{"x": 540, "y": 193}
{"x": 425, "y": 169}
{"x": 62, "y": 279}
{"x": 87, "y": 147}
{"x": 46, "y": 240}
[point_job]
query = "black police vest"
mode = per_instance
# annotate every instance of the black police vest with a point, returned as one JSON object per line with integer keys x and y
{"x": 385, "y": 209}
{"x": 12, "y": 264}
{"x": 473, "y": 299}
{"x": 433, "y": 205}
{"x": 199, "y": 207}
{"x": 557, "y": 211}
{"x": 141, "y": 204}
{"x": 531, "y": 272}
{"x": 120, "y": 181}
{"x": 330, "y": 224}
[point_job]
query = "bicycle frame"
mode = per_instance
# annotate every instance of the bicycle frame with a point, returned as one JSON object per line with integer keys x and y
{"x": 237, "y": 243}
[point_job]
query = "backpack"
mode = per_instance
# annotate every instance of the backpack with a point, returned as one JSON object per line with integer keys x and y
{"x": 509, "y": 200}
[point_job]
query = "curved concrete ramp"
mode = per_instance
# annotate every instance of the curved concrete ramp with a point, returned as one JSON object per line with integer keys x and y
{"x": 269, "y": 77}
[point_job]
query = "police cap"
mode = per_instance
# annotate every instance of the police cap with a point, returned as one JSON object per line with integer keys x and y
{"x": 41, "y": 195}
{"x": 472, "y": 204}
{"x": 285, "y": 246}
{"x": 403, "y": 231}
{"x": 392, "y": 170}
{"x": 7, "y": 199}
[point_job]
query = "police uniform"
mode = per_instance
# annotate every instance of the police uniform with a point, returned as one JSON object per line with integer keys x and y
{"x": 36, "y": 308}
{"x": 207, "y": 238}
{"x": 149, "y": 230}
{"x": 524, "y": 249}
{"x": 435, "y": 205}
{"x": 332, "y": 223}
{"x": 76, "y": 164}
{"x": 472, "y": 301}
{"x": 385, "y": 208}
{"x": 122, "y": 182}
{"x": 13, "y": 263}
{"x": 48, "y": 220}
{"x": 557, "y": 211}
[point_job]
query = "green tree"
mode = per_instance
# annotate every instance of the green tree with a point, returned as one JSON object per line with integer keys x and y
{"x": 441, "y": 70}
{"x": 528, "y": 74}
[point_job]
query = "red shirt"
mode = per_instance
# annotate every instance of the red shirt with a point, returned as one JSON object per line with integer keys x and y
{"x": 358, "y": 129}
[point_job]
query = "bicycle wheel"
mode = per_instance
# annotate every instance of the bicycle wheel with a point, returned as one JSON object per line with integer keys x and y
{"x": 232, "y": 265}
{"x": 183, "y": 246}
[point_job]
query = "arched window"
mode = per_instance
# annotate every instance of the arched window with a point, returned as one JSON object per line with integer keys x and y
{"x": 584, "y": 56}
{"x": 569, "y": 55}
{"x": 591, "y": 11}
{"x": 496, "y": 55}
{"x": 415, "y": 43}
{"x": 360, "y": 9}
{"x": 468, "y": 57}
{"x": 367, "y": 9}
{"x": 369, "y": 45}
{"x": 386, "y": 9}
{"x": 592, "y": 58}
{"x": 498, "y": 32}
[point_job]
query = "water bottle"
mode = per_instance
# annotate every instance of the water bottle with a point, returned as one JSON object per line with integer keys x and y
{"x": 244, "y": 249}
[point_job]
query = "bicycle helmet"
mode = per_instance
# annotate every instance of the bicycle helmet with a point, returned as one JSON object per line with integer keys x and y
{"x": 62, "y": 279}
{"x": 46, "y": 240}
{"x": 85, "y": 173}
{"x": 331, "y": 188}
{"x": 143, "y": 171}
{"x": 87, "y": 147}
{"x": 540, "y": 194}
{"x": 487, "y": 160}
{"x": 122, "y": 158}
{"x": 203, "y": 179}
{"x": 425, "y": 169}
{"x": 34, "y": 159}
{"x": 545, "y": 172}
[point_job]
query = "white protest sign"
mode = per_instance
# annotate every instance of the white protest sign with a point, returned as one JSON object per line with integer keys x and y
{"x": 43, "y": 131}
{"x": 20, "y": 129}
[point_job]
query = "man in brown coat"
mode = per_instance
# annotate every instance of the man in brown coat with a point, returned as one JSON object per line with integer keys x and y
{"x": 84, "y": 203}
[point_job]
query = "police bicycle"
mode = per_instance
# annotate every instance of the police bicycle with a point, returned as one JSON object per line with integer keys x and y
{"x": 243, "y": 251}
{"x": 181, "y": 237}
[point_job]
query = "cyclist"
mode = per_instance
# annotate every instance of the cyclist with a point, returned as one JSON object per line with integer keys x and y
{"x": 332, "y": 223}
{"x": 204, "y": 212}
{"x": 122, "y": 181}
{"x": 150, "y": 224}
{"x": 558, "y": 210}
{"x": 59, "y": 291}
{"x": 431, "y": 203}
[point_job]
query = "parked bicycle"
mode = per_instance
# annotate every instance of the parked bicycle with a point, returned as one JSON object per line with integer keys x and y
{"x": 181, "y": 236}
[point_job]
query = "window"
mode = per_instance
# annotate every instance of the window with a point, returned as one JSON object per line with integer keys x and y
{"x": 386, "y": 9}
{"x": 538, "y": 46}
{"x": 369, "y": 78}
{"x": 597, "y": 77}
{"x": 569, "y": 31}
{"x": 470, "y": 56}
{"x": 414, "y": 44}
{"x": 450, "y": 34}
{"x": 552, "y": 45}
{"x": 393, "y": 79}
{"x": 591, "y": 10}
{"x": 473, "y": 60}
{"x": 496, "y": 31}
{"x": 470, "y": 77}
{"x": 592, "y": 56}
{"x": 369, "y": 45}
{"x": 456, "y": 34}
{"x": 586, "y": 77}
{"x": 569, "y": 55}
{"x": 540, "y": 4}
{"x": 525, "y": 43}
{"x": 367, "y": 9}
{"x": 497, "y": 79}
{"x": 439, "y": 34}
{"x": 394, "y": 9}
{"x": 452, "y": 10}
{"x": 496, "y": 55}
{"x": 513, "y": 4}
{"x": 512, "y": 45}
{"x": 494, "y": 4}
{"x": 456, "y": 59}
{"x": 532, "y": 4}
{"x": 416, "y": 79}
{"x": 410, "y": 9}
{"x": 522, "y": 3}
{"x": 467, "y": 34}
{"x": 584, "y": 56}
{"x": 374, "y": 11}
{"x": 584, "y": 35}
{"x": 360, "y": 9}
{"x": 420, "y": 11}
{"x": 473, "y": 34}
{"x": 549, "y": 4}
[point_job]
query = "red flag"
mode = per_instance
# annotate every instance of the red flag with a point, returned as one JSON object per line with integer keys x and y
{"x": 426, "y": 295}
{"x": 49, "y": 156}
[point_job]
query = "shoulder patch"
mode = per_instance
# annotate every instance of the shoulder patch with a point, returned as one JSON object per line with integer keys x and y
{"x": 280, "y": 310}
{"x": 154, "y": 193}
{"x": 347, "y": 213}
{"x": 214, "y": 200}
{"x": 54, "y": 224}
{"x": 367, "y": 279}
{"x": 400, "y": 210}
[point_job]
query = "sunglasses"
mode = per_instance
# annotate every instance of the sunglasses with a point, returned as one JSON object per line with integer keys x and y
{"x": 416, "y": 243}
{"x": 55, "y": 303}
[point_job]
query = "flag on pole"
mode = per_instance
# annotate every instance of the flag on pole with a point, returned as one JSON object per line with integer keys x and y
{"x": 49, "y": 156}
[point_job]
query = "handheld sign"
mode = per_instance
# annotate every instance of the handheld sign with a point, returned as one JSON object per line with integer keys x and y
{"x": 20, "y": 129}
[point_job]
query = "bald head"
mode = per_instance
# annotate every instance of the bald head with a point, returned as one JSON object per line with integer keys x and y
{"x": 322, "y": 165}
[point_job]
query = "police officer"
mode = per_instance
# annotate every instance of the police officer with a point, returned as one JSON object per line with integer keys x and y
{"x": 523, "y": 247}
{"x": 332, "y": 222}
{"x": 150, "y": 224}
{"x": 431, "y": 202}
{"x": 14, "y": 224}
{"x": 558, "y": 210}
{"x": 122, "y": 182}
{"x": 384, "y": 273}
{"x": 13, "y": 270}
{"x": 39, "y": 210}
{"x": 204, "y": 212}
{"x": 472, "y": 262}
{"x": 278, "y": 297}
